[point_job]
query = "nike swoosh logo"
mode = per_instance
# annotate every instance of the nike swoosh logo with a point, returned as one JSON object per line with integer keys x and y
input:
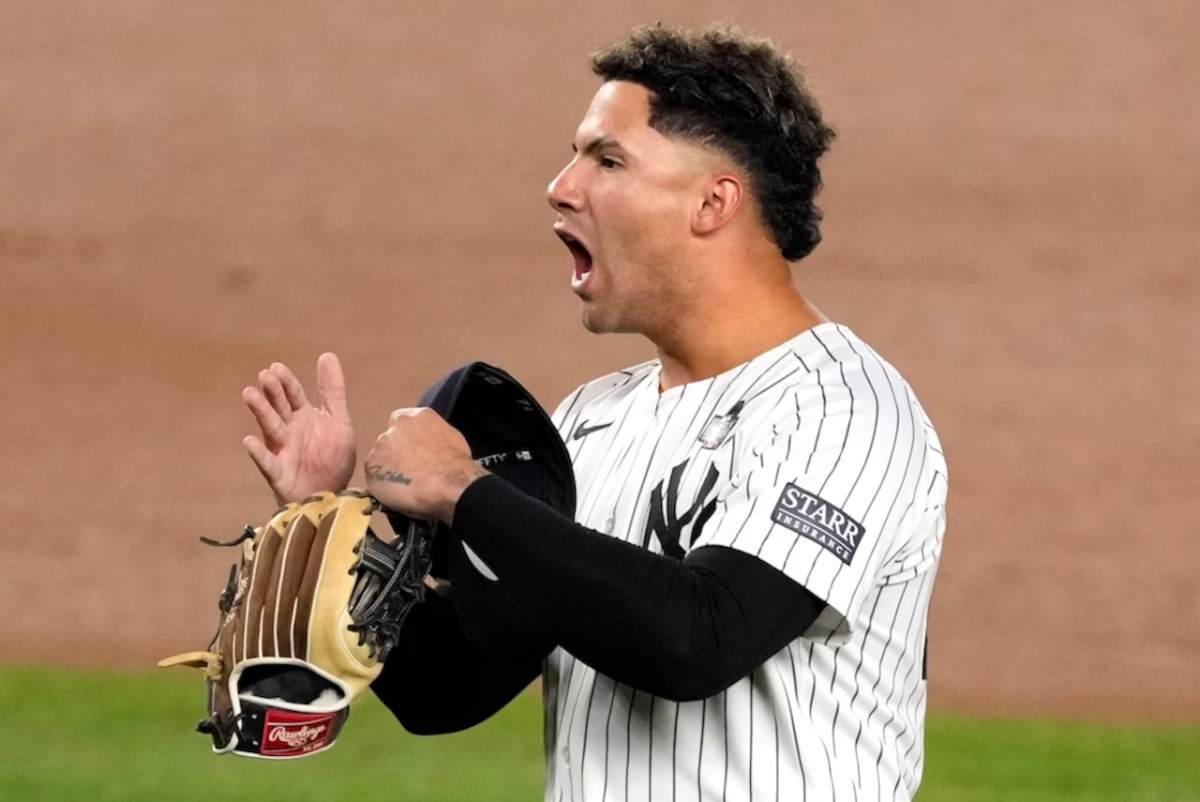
{"x": 583, "y": 430}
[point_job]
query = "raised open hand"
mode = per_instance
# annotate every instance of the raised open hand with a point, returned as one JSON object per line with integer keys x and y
{"x": 304, "y": 449}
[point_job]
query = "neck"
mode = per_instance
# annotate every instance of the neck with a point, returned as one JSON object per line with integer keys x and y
{"x": 725, "y": 329}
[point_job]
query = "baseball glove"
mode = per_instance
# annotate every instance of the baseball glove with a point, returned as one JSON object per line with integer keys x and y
{"x": 308, "y": 616}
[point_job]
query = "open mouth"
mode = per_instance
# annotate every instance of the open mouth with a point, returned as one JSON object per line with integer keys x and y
{"x": 583, "y": 257}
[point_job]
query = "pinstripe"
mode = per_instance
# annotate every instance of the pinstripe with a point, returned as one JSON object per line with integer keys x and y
{"x": 717, "y": 404}
{"x": 874, "y": 430}
{"x": 811, "y": 700}
{"x": 750, "y": 751}
{"x": 607, "y": 724}
{"x": 746, "y": 520}
{"x": 876, "y": 541}
{"x": 571, "y": 731}
{"x": 795, "y": 736}
{"x": 775, "y": 483}
{"x": 917, "y": 610}
{"x": 900, "y": 546}
{"x": 551, "y": 672}
{"x": 725, "y": 750}
{"x": 695, "y": 465}
{"x": 816, "y": 444}
{"x": 586, "y": 736}
{"x": 583, "y": 766}
{"x": 700, "y": 750}
{"x": 748, "y": 397}
{"x": 691, "y": 423}
{"x": 883, "y": 527}
{"x": 629, "y": 450}
{"x": 629, "y": 529}
{"x": 692, "y": 466}
{"x": 913, "y": 498}
{"x": 914, "y": 693}
{"x": 778, "y": 757}
{"x": 824, "y": 412}
{"x": 845, "y": 435}
{"x": 879, "y": 677}
{"x": 862, "y": 656}
{"x": 567, "y": 406}
{"x": 814, "y": 413}
{"x": 650, "y": 752}
{"x": 674, "y": 756}
{"x": 836, "y": 462}
{"x": 564, "y": 696}
{"x": 641, "y": 490}
{"x": 857, "y": 669}
{"x": 629, "y": 739}
{"x": 573, "y": 697}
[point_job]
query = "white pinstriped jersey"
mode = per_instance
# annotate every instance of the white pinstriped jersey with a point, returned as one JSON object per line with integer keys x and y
{"x": 817, "y": 458}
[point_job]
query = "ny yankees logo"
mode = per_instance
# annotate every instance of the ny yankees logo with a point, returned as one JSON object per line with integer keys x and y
{"x": 669, "y": 526}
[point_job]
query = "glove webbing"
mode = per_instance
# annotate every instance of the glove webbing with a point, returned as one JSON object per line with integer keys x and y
{"x": 391, "y": 580}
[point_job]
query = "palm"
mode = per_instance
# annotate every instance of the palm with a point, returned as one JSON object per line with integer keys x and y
{"x": 316, "y": 453}
{"x": 304, "y": 449}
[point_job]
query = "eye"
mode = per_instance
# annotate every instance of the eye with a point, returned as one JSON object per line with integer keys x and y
{"x": 609, "y": 163}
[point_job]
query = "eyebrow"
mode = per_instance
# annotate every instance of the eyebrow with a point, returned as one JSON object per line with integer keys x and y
{"x": 596, "y": 144}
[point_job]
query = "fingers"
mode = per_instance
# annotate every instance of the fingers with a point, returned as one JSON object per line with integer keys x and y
{"x": 264, "y": 460}
{"x": 292, "y": 388}
{"x": 272, "y": 388}
{"x": 268, "y": 418}
{"x": 331, "y": 384}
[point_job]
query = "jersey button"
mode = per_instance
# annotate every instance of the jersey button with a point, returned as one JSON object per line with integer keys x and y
{"x": 608, "y": 525}
{"x": 566, "y": 753}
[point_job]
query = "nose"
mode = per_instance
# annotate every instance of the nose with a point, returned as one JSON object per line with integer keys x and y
{"x": 564, "y": 193}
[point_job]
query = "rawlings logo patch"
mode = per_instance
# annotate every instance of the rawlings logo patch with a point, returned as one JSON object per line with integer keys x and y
{"x": 813, "y": 517}
{"x": 289, "y": 734}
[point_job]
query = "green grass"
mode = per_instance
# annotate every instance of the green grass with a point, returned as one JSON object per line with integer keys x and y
{"x": 98, "y": 736}
{"x": 988, "y": 760}
{"x": 112, "y": 737}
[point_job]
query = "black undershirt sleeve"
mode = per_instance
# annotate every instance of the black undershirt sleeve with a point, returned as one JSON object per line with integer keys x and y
{"x": 681, "y": 629}
{"x": 460, "y": 660}
{"x": 438, "y": 680}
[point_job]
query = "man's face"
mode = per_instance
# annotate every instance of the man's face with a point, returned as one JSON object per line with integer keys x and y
{"x": 625, "y": 203}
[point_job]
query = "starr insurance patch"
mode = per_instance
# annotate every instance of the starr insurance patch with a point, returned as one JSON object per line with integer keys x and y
{"x": 811, "y": 516}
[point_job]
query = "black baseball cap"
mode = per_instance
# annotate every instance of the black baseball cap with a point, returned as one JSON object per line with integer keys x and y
{"x": 508, "y": 431}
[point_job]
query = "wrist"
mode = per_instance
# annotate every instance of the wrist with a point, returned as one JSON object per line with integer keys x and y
{"x": 455, "y": 483}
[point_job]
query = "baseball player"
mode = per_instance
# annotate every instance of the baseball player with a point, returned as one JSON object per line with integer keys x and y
{"x": 738, "y": 609}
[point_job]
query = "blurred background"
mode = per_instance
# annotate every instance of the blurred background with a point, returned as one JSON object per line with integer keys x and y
{"x": 194, "y": 190}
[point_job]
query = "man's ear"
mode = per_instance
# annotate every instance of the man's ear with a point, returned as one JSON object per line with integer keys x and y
{"x": 722, "y": 197}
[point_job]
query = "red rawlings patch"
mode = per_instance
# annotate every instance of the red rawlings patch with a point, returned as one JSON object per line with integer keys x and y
{"x": 288, "y": 734}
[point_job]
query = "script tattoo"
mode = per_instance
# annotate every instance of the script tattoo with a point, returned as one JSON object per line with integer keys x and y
{"x": 381, "y": 474}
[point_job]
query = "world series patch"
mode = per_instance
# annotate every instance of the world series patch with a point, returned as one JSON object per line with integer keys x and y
{"x": 811, "y": 516}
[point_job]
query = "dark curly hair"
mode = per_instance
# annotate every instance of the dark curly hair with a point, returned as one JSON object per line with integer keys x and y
{"x": 742, "y": 96}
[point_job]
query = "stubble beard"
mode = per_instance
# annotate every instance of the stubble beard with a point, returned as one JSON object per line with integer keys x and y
{"x": 594, "y": 322}
{"x": 628, "y": 307}
{"x": 635, "y": 318}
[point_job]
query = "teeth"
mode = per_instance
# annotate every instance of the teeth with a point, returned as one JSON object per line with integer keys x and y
{"x": 582, "y": 256}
